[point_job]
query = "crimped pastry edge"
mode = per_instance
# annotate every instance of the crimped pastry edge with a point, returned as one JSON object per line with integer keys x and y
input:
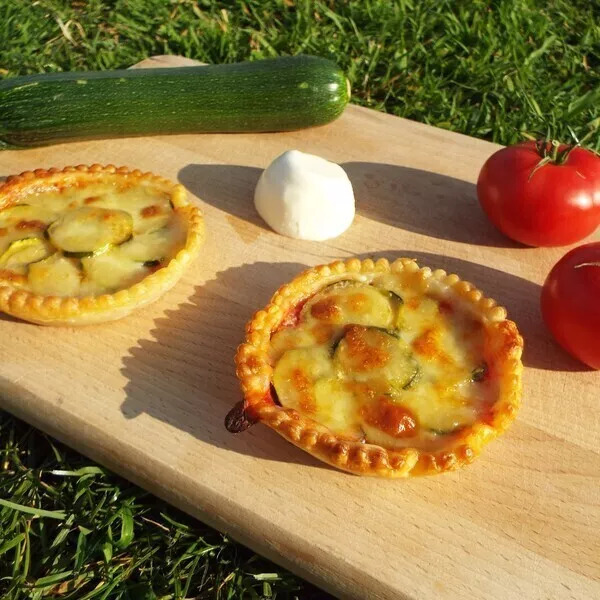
{"x": 86, "y": 310}
{"x": 255, "y": 376}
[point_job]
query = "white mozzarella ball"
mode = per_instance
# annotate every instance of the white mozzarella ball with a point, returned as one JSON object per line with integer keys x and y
{"x": 305, "y": 196}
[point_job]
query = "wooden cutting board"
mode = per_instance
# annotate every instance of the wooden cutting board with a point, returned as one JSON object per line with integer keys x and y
{"x": 146, "y": 396}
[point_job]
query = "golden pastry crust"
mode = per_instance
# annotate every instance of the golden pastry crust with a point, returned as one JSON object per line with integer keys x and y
{"x": 503, "y": 349}
{"x": 69, "y": 310}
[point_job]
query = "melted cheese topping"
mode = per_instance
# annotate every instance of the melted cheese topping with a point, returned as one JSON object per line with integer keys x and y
{"x": 88, "y": 240}
{"x": 385, "y": 365}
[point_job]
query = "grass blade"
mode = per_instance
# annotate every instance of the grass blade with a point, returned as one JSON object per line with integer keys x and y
{"x": 12, "y": 543}
{"x": 30, "y": 510}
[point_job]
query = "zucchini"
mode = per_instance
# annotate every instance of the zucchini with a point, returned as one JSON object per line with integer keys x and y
{"x": 351, "y": 304}
{"x": 367, "y": 353}
{"x": 89, "y": 229}
{"x": 278, "y": 94}
{"x": 101, "y": 250}
{"x": 25, "y": 251}
{"x": 394, "y": 296}
{"x": 296, "y": 372}
{"x": 111, "y": 271}
{"x": 156, "y": 245}
{"x": 55, "y": 276}
{"x": 24, "y": 212}
{"x": 450, "y": 430}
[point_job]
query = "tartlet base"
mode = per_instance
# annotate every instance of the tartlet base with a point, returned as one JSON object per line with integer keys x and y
{"x": 71, "y": 311}
{"x": 255, "y": 374}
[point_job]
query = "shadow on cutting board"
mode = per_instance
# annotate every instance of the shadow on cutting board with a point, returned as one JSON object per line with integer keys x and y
{"x": 412, "y": 199}
{"x": 185, "y": 375}
{"x": 229, "y": 188}
{"x": 423, "y": 202}
{"x": 5, "y": 317}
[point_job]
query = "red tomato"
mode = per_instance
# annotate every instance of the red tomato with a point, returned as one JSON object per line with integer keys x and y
{"x": 571, "y": 303}
{"x": 556, "y": 205}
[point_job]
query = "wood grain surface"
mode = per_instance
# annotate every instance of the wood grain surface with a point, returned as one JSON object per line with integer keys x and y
{"x": 146, "y": 396}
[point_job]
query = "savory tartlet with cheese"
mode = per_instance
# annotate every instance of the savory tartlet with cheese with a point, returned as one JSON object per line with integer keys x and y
{"x": 89, "y": 244}
{"x": 381, "y": 369}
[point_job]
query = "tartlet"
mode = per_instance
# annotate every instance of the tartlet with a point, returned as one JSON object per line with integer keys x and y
{"x": 381, "y": 369}
{"x": 88, "y": 244}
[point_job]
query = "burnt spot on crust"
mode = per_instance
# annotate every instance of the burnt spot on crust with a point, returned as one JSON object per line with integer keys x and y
{"x": 34, "y": 225}
{"x": 427, "y": 345}
{"x": 397, "y": 421}
{"x": 446, "y": 307}
{"x": 502, "y": 343}
{"x": 366, "y": 356}
{"x": 237, "y": 420}
{"x": 6, "y": 275}
{"x": 150, "y": 211}
{"x": 357, "y": 302}
{"x": 303, "y": 385}
{"x": 326, "y": 310}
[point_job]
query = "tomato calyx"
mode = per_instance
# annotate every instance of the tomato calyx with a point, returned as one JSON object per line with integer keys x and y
{"x": 553, "y": 152}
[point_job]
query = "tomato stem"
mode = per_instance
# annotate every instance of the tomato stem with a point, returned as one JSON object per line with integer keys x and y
{"x": 550, "y": 152}
{"x": 550, "y": 149}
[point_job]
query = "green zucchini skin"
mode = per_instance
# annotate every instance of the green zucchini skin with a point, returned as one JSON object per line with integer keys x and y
{"x": 279, "y": 94}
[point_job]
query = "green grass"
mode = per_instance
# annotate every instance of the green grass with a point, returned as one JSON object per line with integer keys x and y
{"x": 487, "y": 68}
{"x": 491, "y": 69}
{"x": 70, "y": 529}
